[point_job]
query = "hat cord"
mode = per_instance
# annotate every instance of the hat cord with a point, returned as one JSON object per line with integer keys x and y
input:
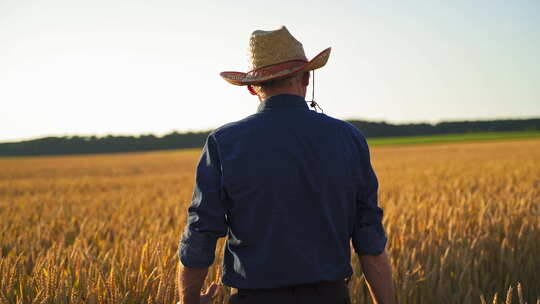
{"x": 313, "y": 103}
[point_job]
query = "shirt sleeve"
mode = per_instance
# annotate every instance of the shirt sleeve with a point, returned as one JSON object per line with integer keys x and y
{"x": 368, "y": 235}
{"x": 206, "y": 220}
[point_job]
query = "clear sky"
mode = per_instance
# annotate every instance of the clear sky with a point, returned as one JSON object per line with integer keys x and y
{"x": 100, "y": 67}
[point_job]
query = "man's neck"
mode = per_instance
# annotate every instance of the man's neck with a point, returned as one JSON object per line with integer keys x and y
{"x": 299, "y": 92}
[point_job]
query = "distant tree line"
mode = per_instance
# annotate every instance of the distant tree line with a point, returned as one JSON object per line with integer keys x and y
{"x": 106, "y": 144}
{"x": 383, "y": 129}
{"x": 176, "y": 140}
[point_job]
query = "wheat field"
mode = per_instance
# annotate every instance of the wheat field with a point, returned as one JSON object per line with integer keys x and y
{"x": 462, "y": 219}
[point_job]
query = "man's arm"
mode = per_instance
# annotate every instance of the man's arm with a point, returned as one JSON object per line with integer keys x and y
{"x": 205, "y": 224}
{"x": 190, "y": 282}
{"x": 378, "y": 273}
{"x": 368, "y": 237}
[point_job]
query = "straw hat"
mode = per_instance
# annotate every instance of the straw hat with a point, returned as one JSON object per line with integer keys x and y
{"x": 275, "y": 54}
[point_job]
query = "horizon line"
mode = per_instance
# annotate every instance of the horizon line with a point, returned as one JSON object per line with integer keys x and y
{"x": 6, "y": 141}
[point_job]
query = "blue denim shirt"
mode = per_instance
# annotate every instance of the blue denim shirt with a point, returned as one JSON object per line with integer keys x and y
{"x": 290, "y": 188}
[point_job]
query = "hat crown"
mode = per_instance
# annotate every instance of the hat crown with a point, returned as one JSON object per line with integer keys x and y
{"x": 272, "y": 47}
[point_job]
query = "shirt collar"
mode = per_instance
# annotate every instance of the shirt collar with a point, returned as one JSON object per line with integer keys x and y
{"x": 283, "y": 101}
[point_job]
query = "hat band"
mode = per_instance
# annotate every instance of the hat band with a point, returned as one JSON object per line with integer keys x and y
{"x": 278, "y": 68}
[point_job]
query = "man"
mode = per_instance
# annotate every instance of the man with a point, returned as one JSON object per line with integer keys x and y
{"x": 290, "y": 188}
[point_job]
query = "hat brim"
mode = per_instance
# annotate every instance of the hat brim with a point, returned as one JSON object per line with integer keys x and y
{"x": 240, "y": 78}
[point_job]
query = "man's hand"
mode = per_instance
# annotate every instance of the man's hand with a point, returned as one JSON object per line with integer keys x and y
{"x": 209, "y": 295}
{"x": 190, "y": 282}
{"x": 378, "y": 273}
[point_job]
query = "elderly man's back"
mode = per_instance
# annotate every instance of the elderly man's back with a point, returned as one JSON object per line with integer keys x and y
{"x": 289, "y": 187}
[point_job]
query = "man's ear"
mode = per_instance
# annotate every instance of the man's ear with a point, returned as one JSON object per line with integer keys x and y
{"x": 251, "y": 90}
{"x": 305, "y": 79}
